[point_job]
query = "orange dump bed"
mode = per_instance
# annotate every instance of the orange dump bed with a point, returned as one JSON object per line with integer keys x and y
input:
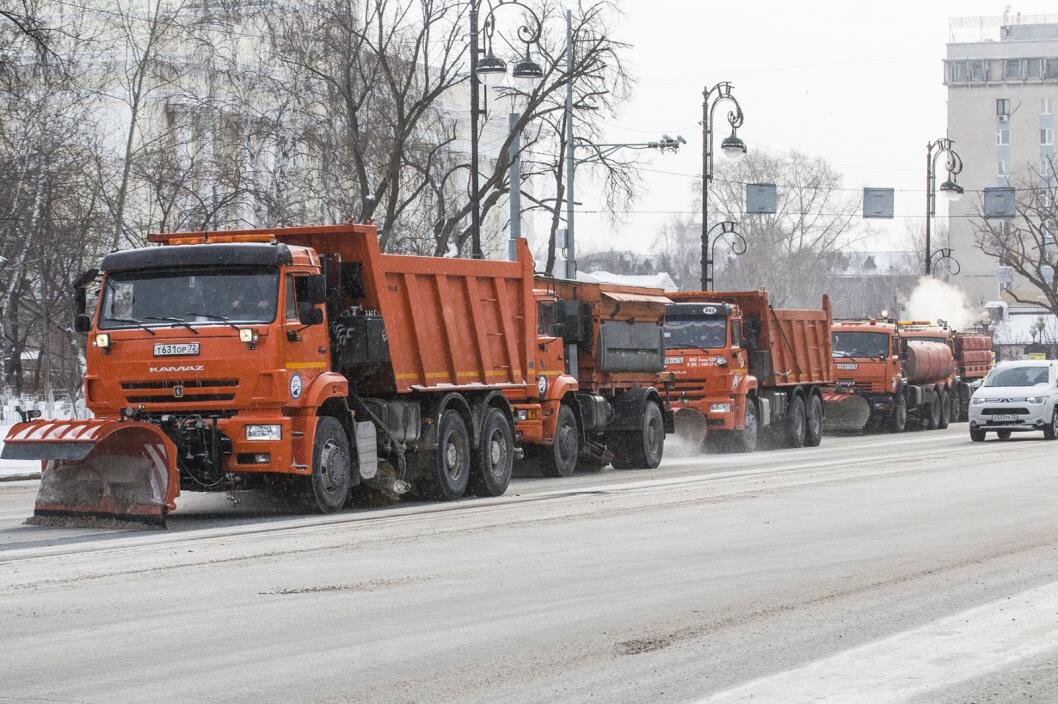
{"x": 448, "y": 322}
{"x": 790, "y": 346}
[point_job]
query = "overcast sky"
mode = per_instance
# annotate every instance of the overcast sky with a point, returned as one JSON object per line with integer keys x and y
{"x": 857, "y": 83}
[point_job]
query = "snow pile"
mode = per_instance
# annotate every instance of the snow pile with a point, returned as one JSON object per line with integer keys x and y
{"x": 935, "y": 300}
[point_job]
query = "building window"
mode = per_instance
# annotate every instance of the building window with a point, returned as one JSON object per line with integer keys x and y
{"x": 1045, "y": 166}
{"x": 1003, "y": 107}
{"x": 977, "y": 71}
{"x": 1003, "y": 137}
{"x": 1001, "y": 168}
{"x": 958, "y": 72}
{"x": 1012, "y": 69}
{"x": 1045, "y": 106}
{"x": 1034, "y": 69}
{"x": 1047, "y": 136}
{"x": 1050, "y": 68}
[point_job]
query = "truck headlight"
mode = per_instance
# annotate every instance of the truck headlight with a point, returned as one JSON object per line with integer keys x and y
{"x": 719, "y": 407}
{"x": 264, "y": 432}
{"x": 102, "y": 340}
{"x": 247, "y": 335}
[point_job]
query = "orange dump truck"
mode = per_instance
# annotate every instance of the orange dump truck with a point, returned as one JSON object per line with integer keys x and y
{"x": 301, "y": 360}
{"x": 889, "y": 373}
{"x": 599, "y": 355}
{"x": 743, "y": 368}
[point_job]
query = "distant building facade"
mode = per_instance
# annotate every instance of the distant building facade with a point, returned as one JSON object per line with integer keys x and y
{"x": 1002, "y": 80}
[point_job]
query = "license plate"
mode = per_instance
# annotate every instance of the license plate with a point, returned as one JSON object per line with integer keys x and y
{"x": 175, "y": 350}
{"x": 847, "y": 365}
{"x": 1004, "y": 418}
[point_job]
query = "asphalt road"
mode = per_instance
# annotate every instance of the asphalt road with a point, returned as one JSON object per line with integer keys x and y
{"x": 913, "y": 568}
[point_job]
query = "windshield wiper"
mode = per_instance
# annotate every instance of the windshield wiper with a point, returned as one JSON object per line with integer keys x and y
{"x": 133, "y": 321}
{"x": 843, "y": 353}
{"x": 213, "y": 316}
{"x": 178, "y": 321}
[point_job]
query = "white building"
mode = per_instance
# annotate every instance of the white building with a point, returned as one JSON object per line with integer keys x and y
{"x": 1002, "y": 79}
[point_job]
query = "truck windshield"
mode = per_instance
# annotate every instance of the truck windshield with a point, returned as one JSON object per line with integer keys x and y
{"x": 860, "y": 344}
{"x": 700, "y": 333}
{"x": 138, "y": 298}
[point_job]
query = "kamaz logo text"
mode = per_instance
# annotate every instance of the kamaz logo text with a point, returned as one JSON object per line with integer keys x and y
{"x": 185, "y": 368}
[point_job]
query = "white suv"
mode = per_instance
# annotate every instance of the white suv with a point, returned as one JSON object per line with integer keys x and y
{"x": 1016, "y": 397}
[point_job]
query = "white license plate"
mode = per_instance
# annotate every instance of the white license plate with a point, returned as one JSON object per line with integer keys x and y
{"x": 847, "y": 365}
{"x": 175, "y": 350}
{"x": 1005, "y": 418}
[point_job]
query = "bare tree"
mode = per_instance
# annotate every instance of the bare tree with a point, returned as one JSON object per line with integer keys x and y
{"x": 802, "y": 243}
{"x": 1026, "y": 243}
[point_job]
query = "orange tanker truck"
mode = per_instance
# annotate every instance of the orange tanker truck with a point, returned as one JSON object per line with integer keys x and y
{"x": 301, "y": 360}
{"x": 743, "y": 369}
{"x": 887, "y": 375}
{"x": 600, "y": 352}
{"x": 972, "y": 355}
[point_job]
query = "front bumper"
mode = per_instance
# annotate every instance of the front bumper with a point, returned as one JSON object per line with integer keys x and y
{"x": 1019, "y": 416}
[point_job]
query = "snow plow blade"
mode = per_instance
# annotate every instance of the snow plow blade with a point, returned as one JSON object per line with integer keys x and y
{"x": 120, "y": 470}
{"x": 691, "y": 427}
{"x": 845, "y": 412}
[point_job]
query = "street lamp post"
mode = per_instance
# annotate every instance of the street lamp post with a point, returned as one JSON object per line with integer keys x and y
{"x": 728, "y": 230}
{"x": 732, "y": 147}
{"x": 950, "y": 190}
{"x": 490, "y": 70}
{"x": 601, "y": 151}
{"x": 944, "y": 254}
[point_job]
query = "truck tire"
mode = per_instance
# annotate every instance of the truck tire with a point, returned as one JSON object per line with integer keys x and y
{"x": 795, "y": 423}
{"x": 560, "y": 460}
{"x": 814, "y": 422}
{"x": 954, "y": 415}
{"x": 1051, "y": 431}
{"x": 930, "y": 414}
{"x": 494, "y": 458}
{"x": 945, "y": 409}
{"x": 642, "y": 448}
{"x": 744, "y": 440}
{"x": 331, "y": 479}
{"x": 445, "y": 472}
{"x": 897, "y": 420}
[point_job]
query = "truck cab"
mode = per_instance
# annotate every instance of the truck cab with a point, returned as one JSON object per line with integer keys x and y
{"x": 704, "y": 351}
{"x": 866, "y": 357}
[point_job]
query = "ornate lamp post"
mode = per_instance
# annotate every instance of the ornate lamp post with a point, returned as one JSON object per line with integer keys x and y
{"x": 728, "y": 229}
{"x": 950, "y": 190}
{"x": 490, "y": 70}
{"x": 944, "y": 255}
{"x": 732, "y": 147}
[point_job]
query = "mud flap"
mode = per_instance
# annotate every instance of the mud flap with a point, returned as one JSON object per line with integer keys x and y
{"x": 121, "y": 470}
{"x": 691, "y": 426}
{"x": 845, "y": 411}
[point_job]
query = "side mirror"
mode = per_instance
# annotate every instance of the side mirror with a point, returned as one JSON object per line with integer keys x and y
{"x": 82, "y": 323}
{"x": 316, "y": 289}
{"x": 309, "y": 314}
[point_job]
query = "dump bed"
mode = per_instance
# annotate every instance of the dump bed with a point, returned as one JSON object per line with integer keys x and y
{"x": 619, "y": 329}
{"x": 448, "y": 322}
{"x": 787, "y": 346}
{"x": 973, "y": 354}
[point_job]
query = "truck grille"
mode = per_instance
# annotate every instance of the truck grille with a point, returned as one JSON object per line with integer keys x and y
{"x": 181, "y": 391}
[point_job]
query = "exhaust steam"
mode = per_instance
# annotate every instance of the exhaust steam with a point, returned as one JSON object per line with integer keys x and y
{"x": 934, "y": 300}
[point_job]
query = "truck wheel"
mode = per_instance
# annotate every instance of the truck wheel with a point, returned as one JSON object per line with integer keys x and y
{"x": 977, "y": 435}
{"x": 560, "y": 460}
{"x": 931, "y": 417}
{"x": 795, "y": 423}
{"x": 954, "y": 415}
{"x": 642, "y": 449}
{"x": 897, "y": 420}
{"x": 814, "y": 422}
{"x": 494, "y": 457}
{"x": 745, "y": 440}
{"x": 331, "y": 477}
{"x": 1051, "y": 431}
{"x": 446, "y": 472}
{"x": 945, "y": 410}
